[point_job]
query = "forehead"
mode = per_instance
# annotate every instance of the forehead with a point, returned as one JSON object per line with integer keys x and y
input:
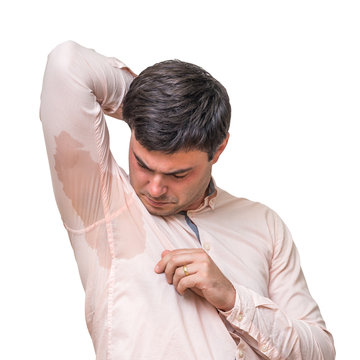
{"x": 163, "y": 162}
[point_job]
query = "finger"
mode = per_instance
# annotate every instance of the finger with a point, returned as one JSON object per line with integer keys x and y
{"x": 165, "y": 252}
{"x": 180, "y": 272}
{"x": 170, "y": 261}
{"x": 179, "y": 260}
{"x": 189, "y": 282}
{"x": 159, "y": 267}
{"x": 175, "y": 257}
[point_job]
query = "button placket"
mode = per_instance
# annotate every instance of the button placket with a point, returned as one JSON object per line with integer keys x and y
{"x": 192, "y": 225}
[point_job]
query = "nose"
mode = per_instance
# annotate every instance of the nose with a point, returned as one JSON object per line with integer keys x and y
{"x": 156, "y": 186}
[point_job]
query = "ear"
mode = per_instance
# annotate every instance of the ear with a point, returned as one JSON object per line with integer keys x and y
{"x": 220, "y": 149}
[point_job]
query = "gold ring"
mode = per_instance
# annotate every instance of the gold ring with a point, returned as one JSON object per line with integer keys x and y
{"x": 185, "y": 270}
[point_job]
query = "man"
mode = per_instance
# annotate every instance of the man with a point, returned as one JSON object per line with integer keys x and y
{"x": 173, "y": 267}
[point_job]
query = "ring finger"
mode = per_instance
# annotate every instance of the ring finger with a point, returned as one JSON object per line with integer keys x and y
{"x": 183, "y": 271}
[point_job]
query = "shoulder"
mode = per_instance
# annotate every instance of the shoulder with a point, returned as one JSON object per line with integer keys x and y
{"x": 230, "y": 203}
{"x": 246, "y": 213}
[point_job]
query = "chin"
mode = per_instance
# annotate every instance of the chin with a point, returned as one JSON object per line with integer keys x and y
{"x": 160, "y": 212}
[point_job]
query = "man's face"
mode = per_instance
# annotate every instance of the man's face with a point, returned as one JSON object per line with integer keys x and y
{"x": 169, "y": 183}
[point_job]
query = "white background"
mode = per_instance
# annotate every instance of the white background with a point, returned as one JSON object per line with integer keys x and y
{"x": 292, "y": 73}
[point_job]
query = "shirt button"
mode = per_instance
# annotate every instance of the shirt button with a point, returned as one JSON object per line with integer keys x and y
{"x": 240, "y": 317}
{"x": 263, "y": 348}
{"x": 240, "y": 354}
{"x": 207, "y": 246}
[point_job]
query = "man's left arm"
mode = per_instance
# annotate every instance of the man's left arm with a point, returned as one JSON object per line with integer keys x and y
{"x": 285, "y": 325}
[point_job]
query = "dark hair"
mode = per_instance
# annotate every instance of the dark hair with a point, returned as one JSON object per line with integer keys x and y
{"x": 174, "y": 105}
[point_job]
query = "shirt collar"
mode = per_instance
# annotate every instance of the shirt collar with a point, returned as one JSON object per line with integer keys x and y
{"x": 210, "y": 198}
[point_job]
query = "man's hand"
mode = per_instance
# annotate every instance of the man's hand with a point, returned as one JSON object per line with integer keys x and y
{"x": 201, "y": 275}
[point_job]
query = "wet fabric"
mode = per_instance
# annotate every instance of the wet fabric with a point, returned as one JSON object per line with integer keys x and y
{"x": 132, "y": 312}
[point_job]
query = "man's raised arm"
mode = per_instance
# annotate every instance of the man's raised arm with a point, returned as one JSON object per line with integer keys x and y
{"x": 79, "y": 86}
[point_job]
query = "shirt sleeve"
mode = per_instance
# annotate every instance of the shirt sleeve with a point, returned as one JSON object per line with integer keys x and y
{"x": 79, "y": 86}
{"x": 287, "y": 324}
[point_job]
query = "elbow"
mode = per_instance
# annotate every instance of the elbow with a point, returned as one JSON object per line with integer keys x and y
{"x": 60, "y": 67}
{"x": 62, "y": 57}
{"x": 313, "y": 342}
{"x": 327, "y": 345}
{"x": 324, "y": 348}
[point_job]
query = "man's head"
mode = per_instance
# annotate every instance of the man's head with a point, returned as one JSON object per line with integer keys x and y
{"x": 179, "y": 116}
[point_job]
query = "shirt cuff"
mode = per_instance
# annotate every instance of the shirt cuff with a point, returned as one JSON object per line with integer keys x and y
{"x": 242, "y": 314}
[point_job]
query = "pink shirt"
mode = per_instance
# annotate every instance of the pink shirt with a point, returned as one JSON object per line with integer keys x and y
{"x": 132, "y": 312}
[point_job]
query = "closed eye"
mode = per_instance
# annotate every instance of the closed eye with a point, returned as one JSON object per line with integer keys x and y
{"x": 143, "y": 166}
{"x": 179, "y": 176}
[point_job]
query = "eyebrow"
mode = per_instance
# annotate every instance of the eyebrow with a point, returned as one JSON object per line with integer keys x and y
{"x": 175, "y": 172}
